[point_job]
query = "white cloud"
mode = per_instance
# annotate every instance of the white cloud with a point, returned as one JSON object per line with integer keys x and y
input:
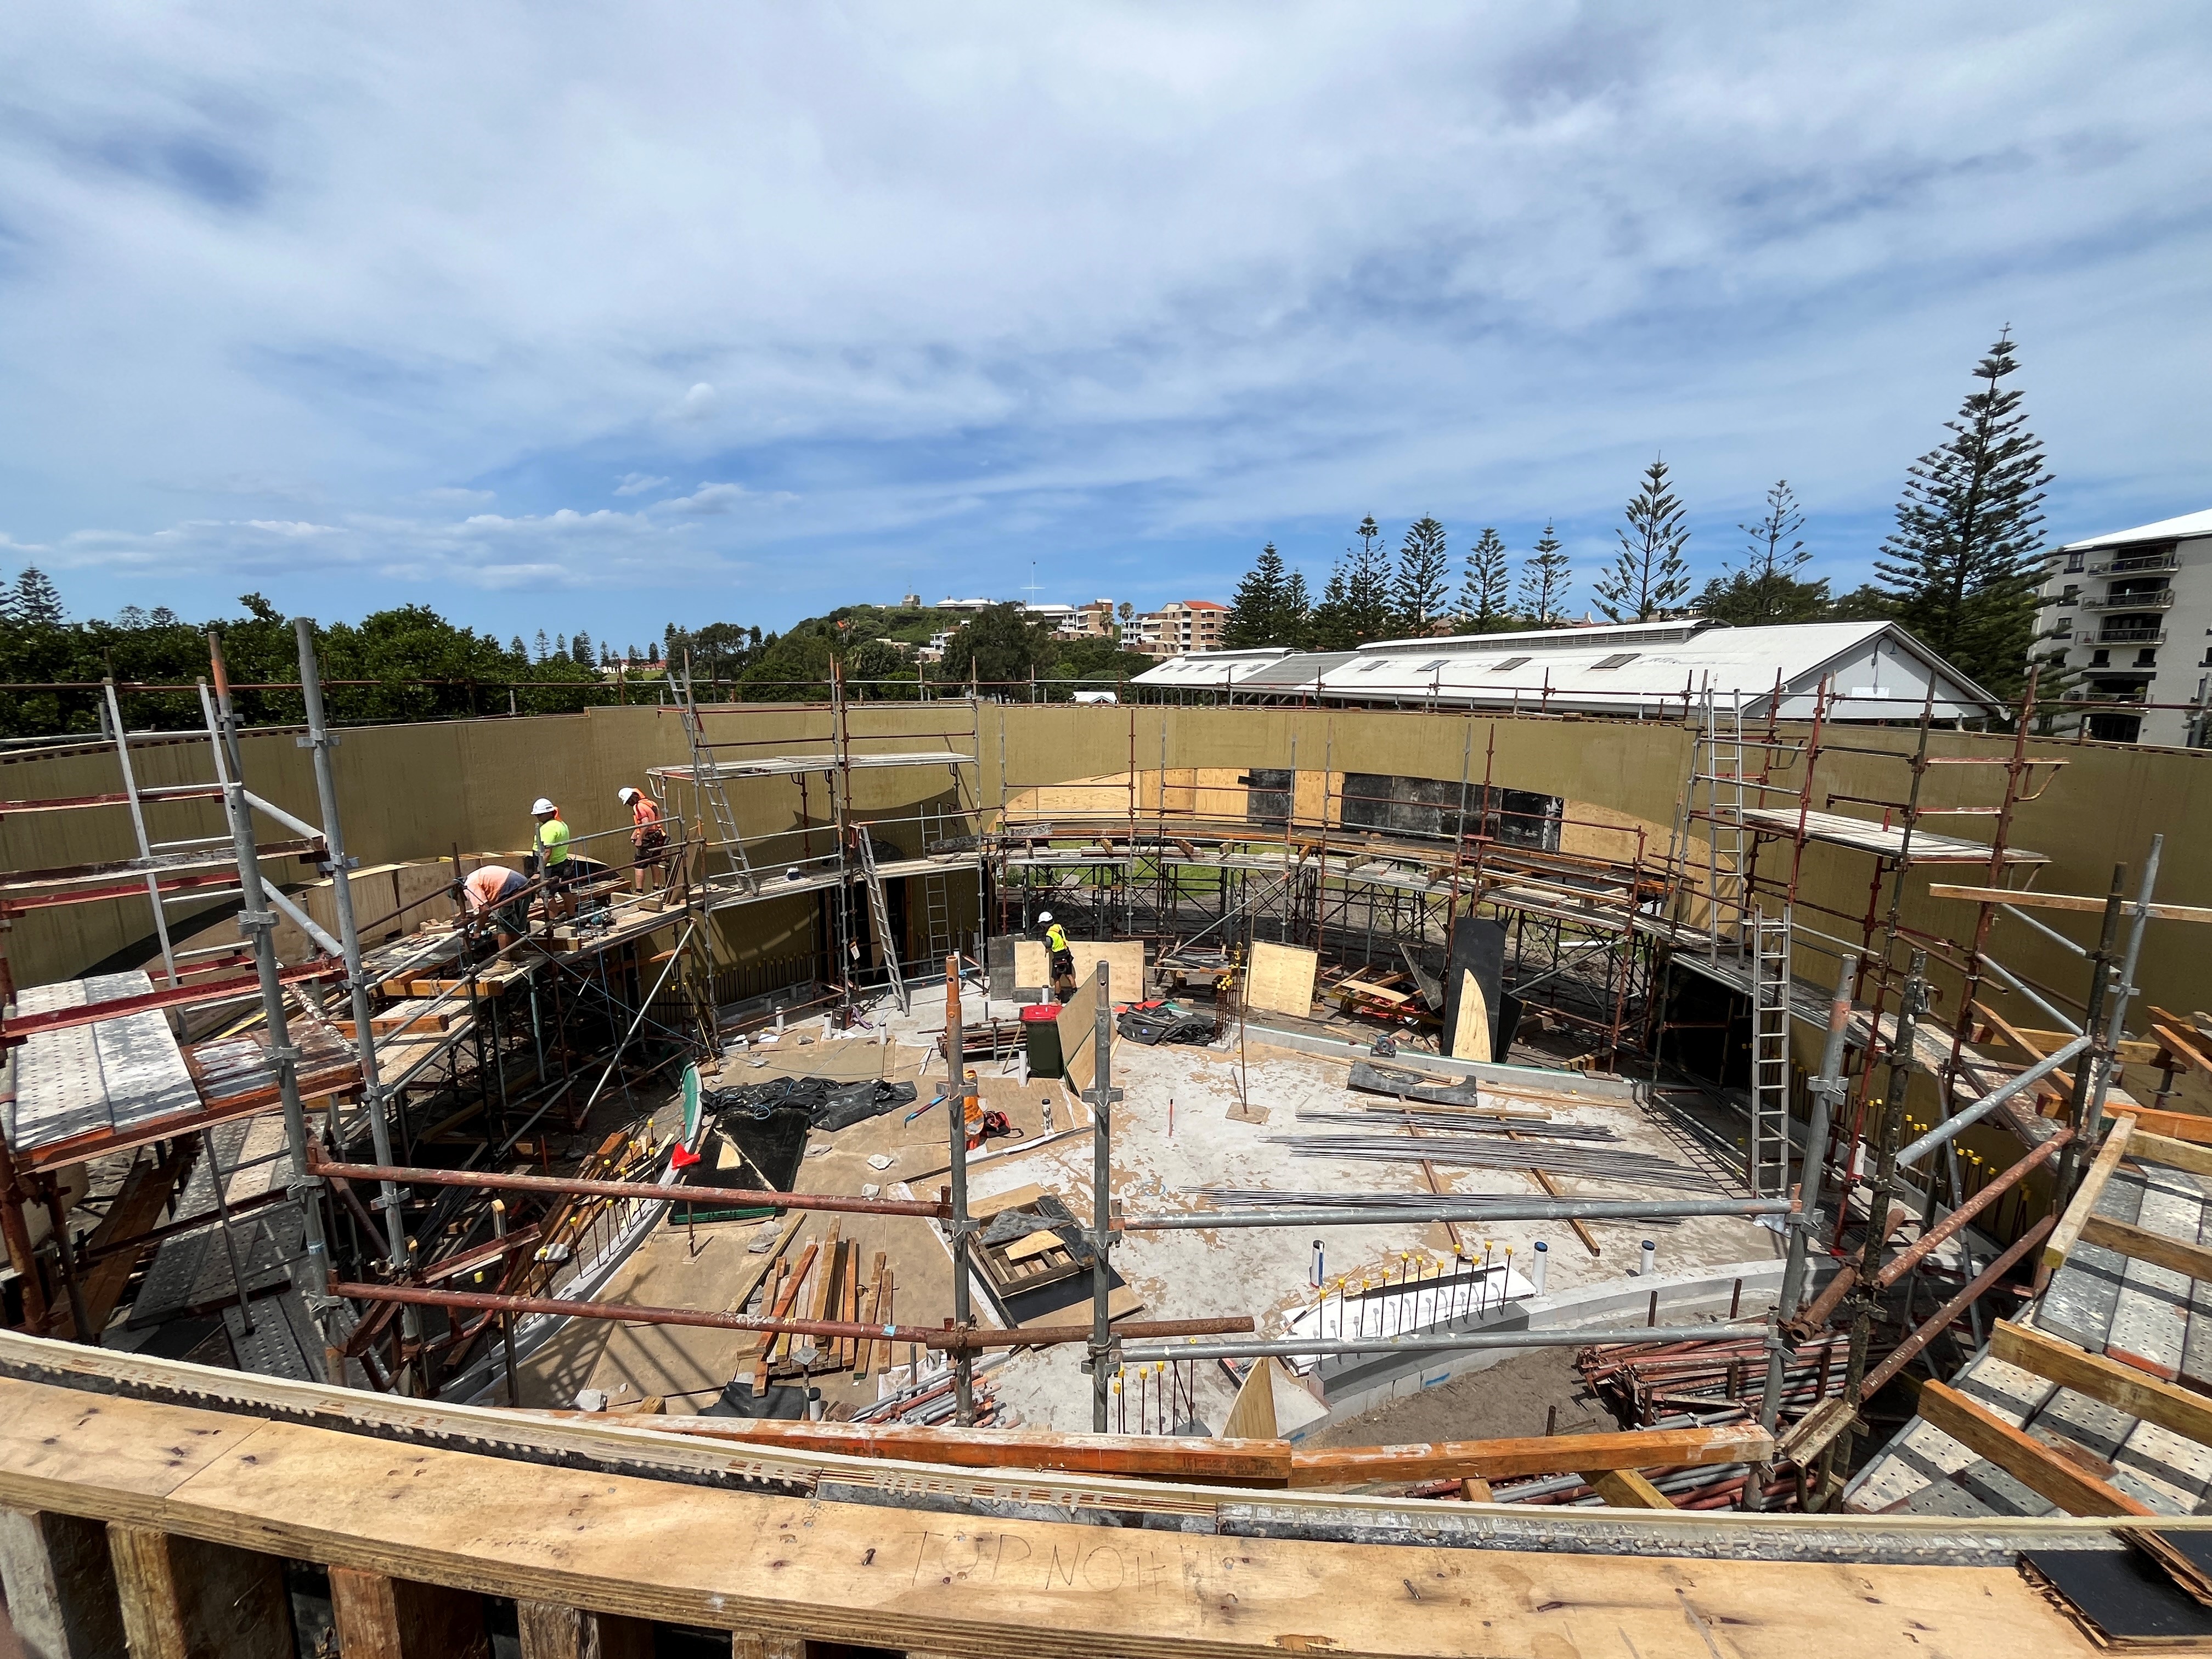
{"x": 699, "y": 404}
{"x": 292, "y": 529}
{"x": 708, "y": 498}
{"x": 1107, "y": 277}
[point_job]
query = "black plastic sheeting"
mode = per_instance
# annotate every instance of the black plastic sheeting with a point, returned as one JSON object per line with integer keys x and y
{"x": 1152, "y": 1026}
{"x": 830, "y": 1105}
{"x": 2128, "y": 1598}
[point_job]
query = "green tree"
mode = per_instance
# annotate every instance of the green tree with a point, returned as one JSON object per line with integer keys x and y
{"x": 1419, "y": 589}
{"x": 1366, "y": 604}
{"x": 580, "y": 648}
{"x": 1544, "y": 580}
{"x": 1962, "y": 563}
{"x": 1649, "y": 576}
{"x": 1762, "y": 589}
{"x": 1298, "y": 609}
{"x": 1328, "y": 627}
{"x": 1742, "y": 600}
{"x": 35, "y": 600}
{"x": 514, "y": 648}
{"x": 1258, "y": 611}
{"x": 1865, "y": 603}
{"x": 1482, "y": 594}
{"x": 1000, "y": 645}
{"x": 544, "y": 645}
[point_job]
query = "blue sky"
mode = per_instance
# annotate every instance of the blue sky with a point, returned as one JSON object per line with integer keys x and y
{"x": 565, "y": 315}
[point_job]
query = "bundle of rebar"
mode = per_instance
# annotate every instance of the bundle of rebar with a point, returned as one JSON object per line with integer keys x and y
{"x": 1423, "y": 1117}
{"x": 1638, "y": 1381}
{"x": 1496, "y": 1152}
{"x": 930, "y": 1400}
{"x": 1460, "y": 1207}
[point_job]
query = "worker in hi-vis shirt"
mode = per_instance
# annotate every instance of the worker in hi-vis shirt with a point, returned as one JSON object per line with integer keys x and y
{"x": 1061, "y": 960}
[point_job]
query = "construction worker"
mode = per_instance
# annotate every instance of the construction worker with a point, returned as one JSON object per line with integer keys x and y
{"x": 498, "y": 890}
{"x": 549, "y": 852}
{"x": 646, "y": 838}
{"x": 1060, "y": 960}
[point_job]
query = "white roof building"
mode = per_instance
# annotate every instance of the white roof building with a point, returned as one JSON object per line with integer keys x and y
{"x": 1876, "y": 669}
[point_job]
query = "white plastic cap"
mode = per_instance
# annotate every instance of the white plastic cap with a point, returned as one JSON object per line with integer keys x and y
{"x": 1044, "y": 916}
{"x": 542, "y": 806}
{"x": 624, "y": 795}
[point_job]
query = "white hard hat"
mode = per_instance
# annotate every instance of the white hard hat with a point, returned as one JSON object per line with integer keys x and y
{"x": 1044, "y": 915}
{"x": 542, "y": 806}
{"x": 624, "y": 794}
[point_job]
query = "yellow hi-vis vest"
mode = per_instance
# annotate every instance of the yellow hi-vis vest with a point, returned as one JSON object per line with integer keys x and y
{"x": 1055, "y": 938}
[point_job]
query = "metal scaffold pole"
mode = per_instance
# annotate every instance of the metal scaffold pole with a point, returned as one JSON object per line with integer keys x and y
{"x": 1101, "y": 1095}
{"x": 319, "y": 743}
{"x": 258, "y": 921}
{"x": 956, "y": 1112}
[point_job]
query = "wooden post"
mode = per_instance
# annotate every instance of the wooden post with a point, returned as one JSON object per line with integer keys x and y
{"x": 382, "y": 1618}
{"x": 549, "y": 1630}
{"x": 61, "y": 1589}
{"x": 183, "y": 1599}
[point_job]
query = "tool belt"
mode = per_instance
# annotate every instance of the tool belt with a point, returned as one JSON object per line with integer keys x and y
{"x": 1063, "y": 964}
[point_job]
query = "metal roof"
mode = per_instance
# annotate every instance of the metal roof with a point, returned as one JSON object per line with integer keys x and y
{"x": 1881, "y": 670}
{"x": 1199, "y": 671}
{"x": 2165, "y": 530}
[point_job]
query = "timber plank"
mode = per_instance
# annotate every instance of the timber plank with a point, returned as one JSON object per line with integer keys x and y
{"x": 2193, "y": 1260}
{"x": 2084, "y": 1202}
{"x": 2147, "y": 1147}
{"x": 1624, "y": 1489}
{"x": 382, "y": 1618}
{"x": 549, "y": 1630}
{"x": 2031, "y": 1462}
{"x": 873, "y": 1575}
{"x": 189, "y": 1598}
{"x": 2117, "y": 1384}
{"x": 2065, "y": 901}
{"x": 1554, "y": 1454}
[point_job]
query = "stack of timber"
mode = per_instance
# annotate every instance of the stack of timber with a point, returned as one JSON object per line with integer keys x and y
{"x": 829, "y": 1279}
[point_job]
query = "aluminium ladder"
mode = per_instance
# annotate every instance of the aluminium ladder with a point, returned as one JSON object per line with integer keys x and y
{"x": 879, "y": 913}
{"x": 707, "y": 778}
{"x": 1768, "y": 1159}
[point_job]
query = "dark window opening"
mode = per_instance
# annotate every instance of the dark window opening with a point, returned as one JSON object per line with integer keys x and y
{"x": 1618, "y": 660}
{"x": 1510, "y": 662}
{"x": 1269, "y": 802}
{"x": 1430, "y": 806}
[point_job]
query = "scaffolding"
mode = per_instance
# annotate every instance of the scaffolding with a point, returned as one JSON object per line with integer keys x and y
{"x": 434, "y": 1028}
{"x": 871, "y": 939}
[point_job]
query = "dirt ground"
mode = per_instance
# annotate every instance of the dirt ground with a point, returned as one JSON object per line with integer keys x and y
{"x": 1512, "y": 1397}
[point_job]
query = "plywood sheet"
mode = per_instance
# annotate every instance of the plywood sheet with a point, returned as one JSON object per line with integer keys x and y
{"x": 1471, "y": 1036}
{"x": 1282, "y": 978}
{"x": 1124, "y": 960}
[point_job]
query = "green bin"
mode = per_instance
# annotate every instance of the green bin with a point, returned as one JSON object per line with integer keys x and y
{"x": 1041, "y": 1036}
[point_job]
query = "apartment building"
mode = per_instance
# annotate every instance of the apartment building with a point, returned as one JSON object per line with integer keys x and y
{"x": 1093, "y": 621}
{"x": 2131, "y": 621}
{"x": 1177, "y": 628}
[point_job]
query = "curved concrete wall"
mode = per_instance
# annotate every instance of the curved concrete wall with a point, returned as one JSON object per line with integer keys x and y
{"x": 410, "y": 791}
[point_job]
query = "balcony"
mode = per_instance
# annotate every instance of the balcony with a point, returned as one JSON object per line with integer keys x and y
{"x": 2136, "y": 695}
{"x": 2158, "y": 599}
{"x": 2129, "y": 564}
{"x": 2131, "y": 634}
